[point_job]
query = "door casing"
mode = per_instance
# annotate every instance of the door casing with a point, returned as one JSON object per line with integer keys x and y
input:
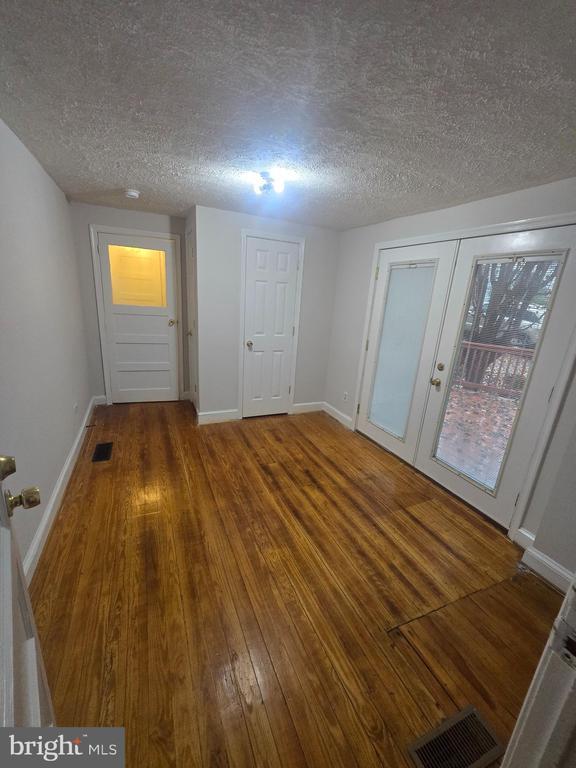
{"x": 95, "y": 231}
{"x": 300, "y": 242}
{"x": 515, "y": 531}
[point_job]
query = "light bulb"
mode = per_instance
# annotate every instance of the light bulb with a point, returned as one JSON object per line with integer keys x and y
{"x": 278, "y": 185}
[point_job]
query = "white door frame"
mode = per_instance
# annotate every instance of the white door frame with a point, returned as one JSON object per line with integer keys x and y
{"x": 192, "y": 315}
{"x": 300, "y": 242}
{"x": 99, "y": 229}
{"x": 515, "y": 531}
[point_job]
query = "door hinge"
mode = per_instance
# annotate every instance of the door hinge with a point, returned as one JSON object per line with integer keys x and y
{"x": 377, "y": 271}
{"x": 194, "y": 387}
{"x": 367, "y": 344}
{"x": 289, "y": 388}
{"x": 551, "y": 393}
{"x": 293, "y": 330}
{"x": 358, "y": 408}
{"x": 517, "y": 497}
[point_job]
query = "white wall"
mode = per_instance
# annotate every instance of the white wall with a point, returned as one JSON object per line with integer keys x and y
{"x": 83, "y": 216}
{"x": 44, "y": 382}
{"x": 552, "y": 509}
{"x": 219, "y": 250}
{"x": 356, "y": 252}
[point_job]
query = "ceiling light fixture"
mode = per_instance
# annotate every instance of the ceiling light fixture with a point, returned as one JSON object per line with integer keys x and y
{"x": 269, "y": 181}
{"x": 132, "y": 194}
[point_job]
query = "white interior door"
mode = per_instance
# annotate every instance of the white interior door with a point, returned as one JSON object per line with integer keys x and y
{"x": 140, "y": 309}
{"x": 544, "y": 733}
{"x": 409, "y": 301}
{"x": 24, "y": 694}
{"x": 506, "y": 335}
{"x": 269, "y": 324}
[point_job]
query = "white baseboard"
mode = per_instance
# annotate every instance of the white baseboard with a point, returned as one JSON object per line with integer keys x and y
{"x": 547, "y": 568}
{"x": 338, "y": 415}
{"x": 232, "y": 414}
{"x": 53, "y": 504}
{"x": 524, "y": 538}
{"x": 306, "y": 407}
{"x": 213, "y": 417}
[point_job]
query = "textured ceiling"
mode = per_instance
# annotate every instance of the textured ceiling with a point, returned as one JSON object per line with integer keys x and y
{"x": 381, "y": 108}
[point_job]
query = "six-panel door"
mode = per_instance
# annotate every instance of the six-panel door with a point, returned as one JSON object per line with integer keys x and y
{"x": 270, "y": 300}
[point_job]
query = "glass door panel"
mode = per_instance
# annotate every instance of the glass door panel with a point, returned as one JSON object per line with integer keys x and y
{"x": 405, "y": 316}
{"x": 504, "y": 343}
{"x": 409, "y": 301}
{"x": 507, "y": 306}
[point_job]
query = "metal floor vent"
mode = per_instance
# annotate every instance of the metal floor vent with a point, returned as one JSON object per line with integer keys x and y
{"x": 462, "y": 741}
{"x": 102, "y": 452}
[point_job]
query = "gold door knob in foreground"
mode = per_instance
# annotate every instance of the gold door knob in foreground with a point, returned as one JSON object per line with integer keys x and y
{"x": 27, "y": 498}
{"x": 171, "y": 322}
{"x": 435, "y": 383}
{"x": 7, "y": 466}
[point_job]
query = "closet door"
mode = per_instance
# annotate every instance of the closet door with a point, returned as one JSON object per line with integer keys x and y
{"x": 409, "y": 302}
{"x": 505, "y": 338}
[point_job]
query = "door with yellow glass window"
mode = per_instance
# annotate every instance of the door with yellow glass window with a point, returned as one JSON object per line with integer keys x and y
{"x": 139, "y": 292}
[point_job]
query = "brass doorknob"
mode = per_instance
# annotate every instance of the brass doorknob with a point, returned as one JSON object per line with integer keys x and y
{"x": 171, "y": 322}
{"x": 435, "y": 383}
{"x": 7, "y": 466}
{"x": 250, "y": 344}
{"x": 27, "y": 498}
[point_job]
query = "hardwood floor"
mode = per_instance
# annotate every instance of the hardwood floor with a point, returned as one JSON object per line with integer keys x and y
{"x": 275, "y": 592}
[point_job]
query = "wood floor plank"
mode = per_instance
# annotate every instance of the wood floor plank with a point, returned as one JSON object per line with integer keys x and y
{"x": 275, "y": 592}
{"x": 475, "y": 651}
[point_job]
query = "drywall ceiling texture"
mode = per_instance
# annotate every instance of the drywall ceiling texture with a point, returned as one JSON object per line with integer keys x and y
{"x": 382, "y": 109}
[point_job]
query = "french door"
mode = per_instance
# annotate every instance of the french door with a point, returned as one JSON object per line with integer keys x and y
{"x": 475, "y": 384}
{"x": 408, "y": 309}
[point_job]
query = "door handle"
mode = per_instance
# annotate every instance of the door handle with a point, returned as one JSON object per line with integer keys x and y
{"x": 250, "y": 344}
{"x": 29, "y": 497}
{"x": 172, "y": 322}
{"x": 435, "y": 383}
{"x": 7, "y": 466}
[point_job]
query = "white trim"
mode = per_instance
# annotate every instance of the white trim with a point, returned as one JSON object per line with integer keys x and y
{"x": 549, "y": 569}
{"x": 100, "y": 229}
{"x": 504, "y": 228}
{"x": 523, "y": 537}
{"x": 233, "y": 414}
{"x": 307, "y": 407}
{"x": 53, "y": 504}
{"x": 214, "y": 417}
{"x": 347, "y": 421}
{"x": 185, "y": 395}
{"x": 301, "y": 243}
{"x": 365, "y": 333}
